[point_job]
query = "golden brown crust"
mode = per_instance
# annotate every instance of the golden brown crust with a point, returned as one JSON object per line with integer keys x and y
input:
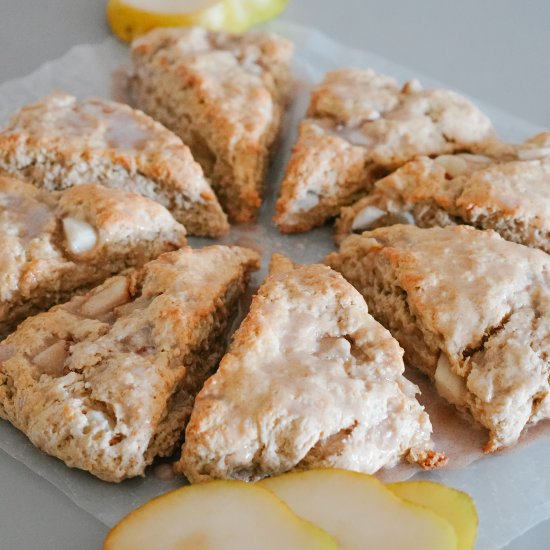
{"x": 60, "y": 141}
{"x": 224, "y": 95}
{"x": 359, "y": 127}
{"x": 106, "y": 381}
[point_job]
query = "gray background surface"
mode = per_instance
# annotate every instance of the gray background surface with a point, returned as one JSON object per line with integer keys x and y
{"x": 496, "y": 50}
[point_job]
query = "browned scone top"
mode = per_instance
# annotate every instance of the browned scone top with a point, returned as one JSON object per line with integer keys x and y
{"x": 106, "y": 381}
{"x": 60, "y": 142}
{"x": 360, "y": 126}
{"x": 470, "y": 309}
{"x": 506, "y": 189}
{"x": 224, "y": 95}
{"x": 53, "y": 243}
{"x": 310, "y": 380}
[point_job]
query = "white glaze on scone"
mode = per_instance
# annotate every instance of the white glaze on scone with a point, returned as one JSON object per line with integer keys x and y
{"x": 224, "y": 95}
{"x": 106, "y": 382}
{"x": 359, "y": 127}
{"x": 53, "y": 243}
{"x": 60, "y": 142}
{"x": 470, "y": 309}
{"x": 310, "y": 380}
{"x": 506, "y": 189}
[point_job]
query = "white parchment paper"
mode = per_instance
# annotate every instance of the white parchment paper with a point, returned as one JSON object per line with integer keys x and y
{"x": 511, "y": 489}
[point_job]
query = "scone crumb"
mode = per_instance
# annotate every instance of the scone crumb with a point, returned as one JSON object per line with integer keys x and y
{"x": 428, "y": 460}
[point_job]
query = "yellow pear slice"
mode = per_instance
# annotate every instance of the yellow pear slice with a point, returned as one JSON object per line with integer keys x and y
{"x": 132, "y": 18}
{"x": 360, "y": 513}
{"x": 228, "y": 515}
{"x": 456, "y": 507}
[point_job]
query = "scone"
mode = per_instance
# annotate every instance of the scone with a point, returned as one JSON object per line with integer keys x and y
{"x": 60, "y": 141}
{"x": 310, "y": 380}
{"x": 53, "y": 243}
{"x": 361, "y": 126}
{"x": 508, "y": 192}
{"x": 224, "y": 95}
{"x": 471, "y": 310}
{"x": 106, "y": 381}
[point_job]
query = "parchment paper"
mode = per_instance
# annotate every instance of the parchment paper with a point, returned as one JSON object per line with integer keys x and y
{"x": 511, "y": 489}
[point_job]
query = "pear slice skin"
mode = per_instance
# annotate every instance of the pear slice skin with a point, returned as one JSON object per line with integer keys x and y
{"x": 220, "y": 515}
{"x": 360, "y": 513}
{"x": 128, "y": 21}
{"x": 456, "y": 507}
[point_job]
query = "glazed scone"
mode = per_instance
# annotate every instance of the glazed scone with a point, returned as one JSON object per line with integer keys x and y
{"x": 471, "y": 310}
{"x": 508, "y": 192}
{"x": 60, "y": 142}
{"x": 224, "y": 95}
{"x": 53, "y": 243}
{"x": 361, "y": 126}
{"x": 106, "y": 381}
{"x": 310, "y": 380}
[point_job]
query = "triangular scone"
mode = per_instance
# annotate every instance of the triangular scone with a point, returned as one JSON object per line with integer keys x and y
{"x": 470, "y": 309}
{"x": 53, "y": 243}
{"x": 310, "y": 380}
{"x": 508, "y": 192}
{"x": 360, "y": 126}
{"x": 60, "y": 141}
{"x": 106, "y": 382}
{"x": 224, "y": 95}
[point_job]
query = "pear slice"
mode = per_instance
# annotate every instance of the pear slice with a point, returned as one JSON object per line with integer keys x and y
{"x": 359, "y": 512}
{"x": 132, "y": 18}
{"x": 228, "y": 515}
{"x": 456, "y": 507}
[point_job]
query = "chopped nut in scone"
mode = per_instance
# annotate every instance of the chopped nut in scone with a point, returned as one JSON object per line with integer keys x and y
{"x": 361, "y": 126}
{"x": 53, "y": 243}
{"x": 471, "y": 310}
{"x": 106, "y": 381}
{"x": 310, "y": 380}
{"x": 507, "y": 190}
{"x": 60, "y": 142}
{"x": 224, "y": 95}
